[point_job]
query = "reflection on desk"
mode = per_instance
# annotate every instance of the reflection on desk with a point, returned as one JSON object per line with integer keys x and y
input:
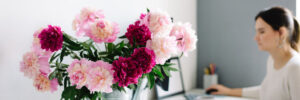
{"x": 199, "y": 94}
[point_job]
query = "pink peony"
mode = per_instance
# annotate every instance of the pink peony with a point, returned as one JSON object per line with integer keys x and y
{"x": 103, "y": 31}
{"x": 78, "y": 72}
{"x": 145, "y": 58}
{"x": 185, "y": 36}
{"x": 126, "y": 71}
{"x": 82, "y": 21}
{"x": 139, "y": 33}
{"x": 100, "y": 77}
{"x": 51, "y": 38}
{"x": 156, "y": 21}
{"x": 33, "y": 64}
{"x": 163, "y": 46}
{"x": 43, "y": 84}
{"x": 36, "y": 45}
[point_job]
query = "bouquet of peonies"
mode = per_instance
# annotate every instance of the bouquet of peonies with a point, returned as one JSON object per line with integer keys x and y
{"x": 152, "y": 40}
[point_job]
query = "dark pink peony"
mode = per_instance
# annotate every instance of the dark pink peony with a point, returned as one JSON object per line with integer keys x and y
{"x": 138, "y": 32}
{"x": 145, "y": 58}
{"x": 126, "y": 71}
{"x": 51, "y": 38}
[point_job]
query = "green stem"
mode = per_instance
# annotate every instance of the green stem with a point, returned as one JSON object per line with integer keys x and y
{"x": 76, "y": 56}
{"x": 181, "y": 55}
{"x": 106, "y": 46}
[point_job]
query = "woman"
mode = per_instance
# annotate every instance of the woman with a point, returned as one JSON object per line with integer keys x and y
{"x": 277, "y": 32}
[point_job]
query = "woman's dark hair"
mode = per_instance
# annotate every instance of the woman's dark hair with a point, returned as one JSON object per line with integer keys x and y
{"x": 277, "y": 17}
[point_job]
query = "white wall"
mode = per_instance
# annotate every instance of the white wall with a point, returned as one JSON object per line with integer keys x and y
{"x": 20, "y": 18}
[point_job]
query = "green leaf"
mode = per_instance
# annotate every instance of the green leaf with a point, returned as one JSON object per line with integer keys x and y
{"x": 151, "y": 79}
{"x": 52, "y": 75}
{"x": 68, "y": 39}
{"x": 172, "y": 69}
{"x": 116, "y": 86}
{"x": 57, "y": 64}
{"x": 88, "y": 44}
{"x": 62, "y": 54}
{"x": 59, "y": 78}
{"x": 120, "y": 46}
{"x": 73, "y": 47}
{"x": 53, "y": 57}
{"x": 131, "y": 86}
{"x": 122, "y": 37}
{"x": 85, "y": 45}
{"x": 64, "y": 65}
{"x": 100, "y": 95}
{"x": 148, "y": 10}
{"x": 103, "y": 53}
{"x": 96, "y": 96}
{"x": 122, "y": 89}
{"x": 168, "y": 64}
{"x": 69, "y": 93}
{"x": 52, "y": 66}
{"x": 96, "y": 54}
{"x": 166, "y": 71}
{"x": 74, "y": 56}
{"x": 66, "y": 82}
{"x": 90, "y": 53}
{"x": 169, "y": 68}
{"x": 156, "y": 70}
{"x": 110, "y": 47}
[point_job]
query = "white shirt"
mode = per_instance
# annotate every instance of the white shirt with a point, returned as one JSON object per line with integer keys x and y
{"x": 279, "y": 84}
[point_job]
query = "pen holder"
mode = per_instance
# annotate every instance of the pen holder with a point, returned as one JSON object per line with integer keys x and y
{"x": 209, "y": 80}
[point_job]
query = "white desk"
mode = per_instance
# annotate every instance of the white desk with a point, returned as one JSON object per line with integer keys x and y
{"x": 201, "y": 91}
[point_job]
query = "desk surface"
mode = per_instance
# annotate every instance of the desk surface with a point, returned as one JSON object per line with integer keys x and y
{"x": 202, "y": 92}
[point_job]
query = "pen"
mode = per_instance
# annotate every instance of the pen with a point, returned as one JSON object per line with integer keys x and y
{"x": 206, "y": 71}
{"x": 211, "y": 69}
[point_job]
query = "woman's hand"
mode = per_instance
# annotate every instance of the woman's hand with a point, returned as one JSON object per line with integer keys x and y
{"x": 223, "y": 90}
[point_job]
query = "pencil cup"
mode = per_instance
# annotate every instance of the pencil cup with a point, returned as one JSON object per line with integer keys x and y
{"x": 209, "y": 80}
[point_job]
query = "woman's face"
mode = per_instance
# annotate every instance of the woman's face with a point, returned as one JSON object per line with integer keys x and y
{"x": 266, "y": 38}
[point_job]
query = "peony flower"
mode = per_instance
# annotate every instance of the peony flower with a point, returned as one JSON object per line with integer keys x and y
{"x": 163, "y": 46}
{"x": 103, "y": 31}
{"x": 145, "y": 58}
{"x": 43, "y": 84}
{"x": 138, "y": 33}
{"x": 78, "y": 72}
{"x": 51, "y": 38}
{"x": 185, "y": 36}
{"x": 33, "y": 64}
{"x": 156, "y": 21}
{"x": 126, "y": 71}
{"x": 36, "y": 45}
{"x": 100, "y": 77}
{"x": 82, "y": 21}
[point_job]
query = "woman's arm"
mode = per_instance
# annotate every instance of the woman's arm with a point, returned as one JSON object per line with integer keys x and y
{"x": 252, "y": 92}
{"x": 235, "y": 92}
{"x": 294, "y": 82}
{"x": 222, "y": 90}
